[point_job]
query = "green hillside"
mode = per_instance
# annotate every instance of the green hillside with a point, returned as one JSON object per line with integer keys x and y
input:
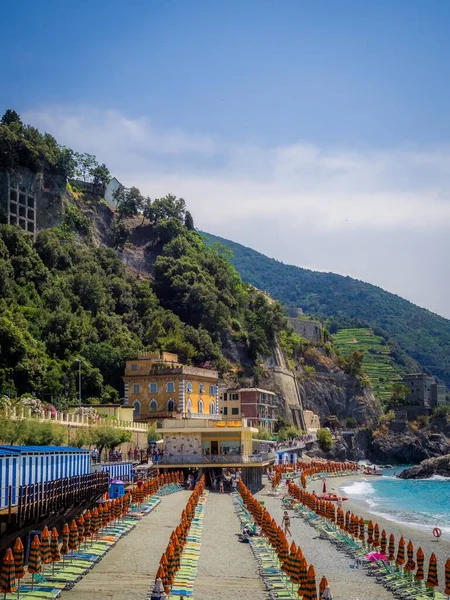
{"x": 378, "y": 362}
{"x": 421, "y": 334}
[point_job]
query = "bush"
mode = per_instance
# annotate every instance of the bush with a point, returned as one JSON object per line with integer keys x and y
{"x": 441, "y": 412}
{"x": 288, "y": 433}
{"x": 351, "y": 422}
{"x": 262, "y": 434}
{"x": 422, "y": 421}
{"x": 153, "y": 435}
{"x": 324, "y": 440}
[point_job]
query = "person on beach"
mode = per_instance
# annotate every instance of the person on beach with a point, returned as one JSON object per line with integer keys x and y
{"x": 221, "y": 486}
{"x": 286, "y": 523}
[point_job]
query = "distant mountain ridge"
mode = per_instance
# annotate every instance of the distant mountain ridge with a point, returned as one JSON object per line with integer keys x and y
{"x": 421, "y": 334}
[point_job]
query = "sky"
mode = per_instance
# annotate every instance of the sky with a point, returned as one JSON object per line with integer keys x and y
{"x": 314, "y": 131}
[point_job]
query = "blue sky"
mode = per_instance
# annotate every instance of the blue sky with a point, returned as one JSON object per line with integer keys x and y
{"x": 315, "y": 131}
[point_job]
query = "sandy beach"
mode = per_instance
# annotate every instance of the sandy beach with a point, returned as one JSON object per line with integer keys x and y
{"x": 419, "y": 537}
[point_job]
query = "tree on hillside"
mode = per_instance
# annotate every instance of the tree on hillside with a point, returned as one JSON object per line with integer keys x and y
{"x": 146, "y": 210}
{"x": 189, "y": 221}
{"x": 398, "y": 396}
{"x": 167, "y": 208}
{"x": 86, "y": 163}
{"x": 353, "y": 364}
{"x": 100, "y": 178}
{"x": 129, "y": 202}
{"x": 10, "y": 116}
{"x": 109, "y": 437}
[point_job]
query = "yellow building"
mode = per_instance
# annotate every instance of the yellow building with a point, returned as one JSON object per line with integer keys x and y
{"x": 206, "y": 441}
{"x": 158, "y": 386}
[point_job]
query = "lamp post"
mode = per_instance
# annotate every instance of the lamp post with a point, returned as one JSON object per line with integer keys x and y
{"x": 79, "y": 381}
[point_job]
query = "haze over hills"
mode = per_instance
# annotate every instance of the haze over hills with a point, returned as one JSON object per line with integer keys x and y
{"x": 421, "y": 334}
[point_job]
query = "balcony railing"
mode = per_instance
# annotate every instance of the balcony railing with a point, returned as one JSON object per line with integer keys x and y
{"x": 189, "y": 459}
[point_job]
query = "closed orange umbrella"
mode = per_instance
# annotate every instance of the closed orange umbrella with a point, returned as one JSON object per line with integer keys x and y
{"x": 447, "y": 577}
{"x": 383, "y": 542}
{"x": 400, "y": 560}
{"x": 54, "y": 547}
{"x": 410, "y": 564}
{"x": 322, "y": 585}
{"x": 420, "y": 560}
{"x": 310, "y": 587}
{"x": 370, "y": 533}
{"x": 19, "y": 553}
{"x": 34, "y": 559}
{"x": 376, "y": 536}
{"x": 391, "y": 549}
{"x": 432, "y": 579}
{"x": 8, "y": 574}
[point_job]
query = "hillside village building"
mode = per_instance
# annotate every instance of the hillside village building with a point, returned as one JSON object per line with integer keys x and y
{"x": 158, "y": 386}
{"x": 259, "y": 407}
{"x": 424, "y": 393}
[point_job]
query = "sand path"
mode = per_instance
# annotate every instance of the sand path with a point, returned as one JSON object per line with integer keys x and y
{"x": 345, "y": 582}
{"x": 127, "y": 570}
{"x": 227, "y": 569}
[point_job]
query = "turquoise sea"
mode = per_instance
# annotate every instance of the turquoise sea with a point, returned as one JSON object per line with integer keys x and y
{"x": 423, "y": 503}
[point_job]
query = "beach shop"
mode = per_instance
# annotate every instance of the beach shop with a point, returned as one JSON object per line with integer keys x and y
{"x": 212, "y": 444}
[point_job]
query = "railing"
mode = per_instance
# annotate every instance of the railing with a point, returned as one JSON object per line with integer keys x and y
{"x": 74, "y": 420}
{"x": 40, "y": 499}
{"x": 189, "y": 459}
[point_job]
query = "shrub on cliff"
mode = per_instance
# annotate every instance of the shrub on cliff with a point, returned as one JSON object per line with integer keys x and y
{"x": 324, "y": 440}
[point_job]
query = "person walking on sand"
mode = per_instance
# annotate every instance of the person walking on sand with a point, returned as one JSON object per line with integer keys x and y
{"x": 286, "y": 523}
{"x": 221, "y": 486}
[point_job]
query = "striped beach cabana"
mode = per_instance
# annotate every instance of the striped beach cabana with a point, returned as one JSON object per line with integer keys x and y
{"x": 9, "y": 475}
{"x": 123, "y": 471}
{"x": 27, "y": 465}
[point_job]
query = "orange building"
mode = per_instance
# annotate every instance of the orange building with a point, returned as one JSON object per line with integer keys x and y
{"x": 158, "y": 386}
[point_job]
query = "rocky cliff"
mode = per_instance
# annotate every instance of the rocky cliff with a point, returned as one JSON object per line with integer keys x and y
{"x": 428, "y": 468}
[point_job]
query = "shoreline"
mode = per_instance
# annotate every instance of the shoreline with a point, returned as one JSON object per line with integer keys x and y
{"x": 419, "y": 536}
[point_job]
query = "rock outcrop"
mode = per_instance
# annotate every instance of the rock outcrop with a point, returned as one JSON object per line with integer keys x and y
{"x": 427, "y": 468}
{"x": 409, "y": 447}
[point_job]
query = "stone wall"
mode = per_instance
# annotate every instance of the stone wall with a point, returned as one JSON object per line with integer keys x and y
{"x": 310, "y": 330}
{"x": 188, "y": 444}
{"x": 43, "y": 194}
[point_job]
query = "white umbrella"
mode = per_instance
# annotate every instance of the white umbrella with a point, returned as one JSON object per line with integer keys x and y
{"x": 327, "y": 595}
{"x": 158, "y": 591}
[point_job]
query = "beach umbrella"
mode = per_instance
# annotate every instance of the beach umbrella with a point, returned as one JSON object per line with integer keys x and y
{"x": 420, "y": 560}
{"x": 432, "y": 579}
{"x": 95, "y": 522}
{"x": 8, "y": 574}
{"x": 383, "y": 542}
{"x": 361, "y": 529}
{"x": 410, "y": 564}
{"x": 87, "y": 524}
{"x": 391, "y": 549}
{"x": 291, "y": 563}
{"x": 46, "y": 553}
{"x": 400, "y": 560}
{"x": 100, "y": 517}
{"x": 310, "y": 588}
{"x": 80, "y": 525}
{"x": 322, "y": 586}
{"x": 302, "y": 574}
{"x": 370, "y": 533}
{"x": 324, "y": 487}
{"x": 65, "y": 541}
{"x": 376, "y": 536}
{"x": 296, "y": 574}
{"x": 54, "y": 547}
{"x": 34, "y": 560}
{"x": 447, "y": 577}
{"x": 73, "y": 537}
{"x": 19, "y": 553}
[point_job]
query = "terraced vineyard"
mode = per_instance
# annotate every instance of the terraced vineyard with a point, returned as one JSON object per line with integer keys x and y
{"x": 378, "y": 363}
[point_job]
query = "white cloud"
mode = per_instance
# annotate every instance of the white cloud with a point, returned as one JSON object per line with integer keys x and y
{"x": 288, "y": 201}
